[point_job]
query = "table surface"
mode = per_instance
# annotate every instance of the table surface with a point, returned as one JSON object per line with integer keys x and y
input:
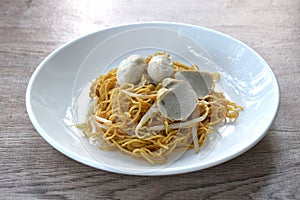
{"x": 30, "y": 168}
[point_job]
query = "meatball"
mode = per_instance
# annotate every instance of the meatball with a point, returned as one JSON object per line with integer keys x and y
{"x": 160, "y": 67}
{"x": 131, "y": 69}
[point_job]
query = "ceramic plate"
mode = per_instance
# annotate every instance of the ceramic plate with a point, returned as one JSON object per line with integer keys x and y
{"x": 63, "y": 76}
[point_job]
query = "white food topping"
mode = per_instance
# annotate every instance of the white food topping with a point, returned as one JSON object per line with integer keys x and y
{"x": 131, "y": 69}
{"x": 201, "y": 82}
{"x": 160, "y": 67}
{"x": 177, "y": 100}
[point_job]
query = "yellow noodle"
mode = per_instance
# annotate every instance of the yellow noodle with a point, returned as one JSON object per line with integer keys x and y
{"x": 125, "y": 111}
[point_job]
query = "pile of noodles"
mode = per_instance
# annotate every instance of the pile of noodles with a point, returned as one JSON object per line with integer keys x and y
{"x": 116, "y": 110}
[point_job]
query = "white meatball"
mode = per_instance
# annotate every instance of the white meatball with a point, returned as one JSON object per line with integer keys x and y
{"x": 160, "y": 67}
{"x": 131, "y": 69}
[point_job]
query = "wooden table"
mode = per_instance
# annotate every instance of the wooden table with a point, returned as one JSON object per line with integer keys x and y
{"x": 30, "y": 168}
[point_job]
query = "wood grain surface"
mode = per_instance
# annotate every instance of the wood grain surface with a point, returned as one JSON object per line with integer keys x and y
{"x": 31, "y": 169}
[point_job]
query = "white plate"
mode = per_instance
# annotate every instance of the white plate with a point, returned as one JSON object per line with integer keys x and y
{"x": 246, "y": 79}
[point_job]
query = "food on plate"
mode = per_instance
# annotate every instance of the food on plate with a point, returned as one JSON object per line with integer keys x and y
{"x": 160, "y": 67}
{"x": 154, "y": 106}
{"x": 131, "y": 69}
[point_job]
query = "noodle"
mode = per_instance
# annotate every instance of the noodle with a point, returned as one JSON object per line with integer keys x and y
{"x": 116, "y": 111}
